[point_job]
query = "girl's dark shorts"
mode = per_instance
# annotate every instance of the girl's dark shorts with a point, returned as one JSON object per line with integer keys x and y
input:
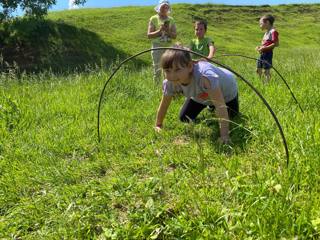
{"x": 191, "y": 109}
{"x": 265, "y": 60}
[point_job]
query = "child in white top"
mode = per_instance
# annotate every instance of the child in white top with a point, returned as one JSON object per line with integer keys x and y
{"x": 161, "y": 30}
{"x": 203, "y": 84}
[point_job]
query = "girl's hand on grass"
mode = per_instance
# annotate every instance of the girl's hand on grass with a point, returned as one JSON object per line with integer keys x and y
{"x": 158, "y": 128}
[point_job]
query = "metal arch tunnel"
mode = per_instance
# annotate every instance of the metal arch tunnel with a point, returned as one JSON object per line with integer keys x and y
{"x": 282, "y": 78}
{"x": 210, "y": 60}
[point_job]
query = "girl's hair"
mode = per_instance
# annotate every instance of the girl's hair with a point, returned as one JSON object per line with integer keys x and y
{"x": 269, "y": 18}
{"x": 201, "y": 22}
{"x": 175, "y": 57}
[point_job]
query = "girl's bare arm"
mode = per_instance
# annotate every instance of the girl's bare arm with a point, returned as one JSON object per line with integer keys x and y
{"x": 212, "y": 51}
{"x": 173, "y": 31}
{"x": 162, "y": 110}
{"x": 152, "y": 32}
{"x": 217, "y": 99}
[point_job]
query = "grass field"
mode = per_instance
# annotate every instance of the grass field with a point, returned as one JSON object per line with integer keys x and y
{"x": 58, "y": 182}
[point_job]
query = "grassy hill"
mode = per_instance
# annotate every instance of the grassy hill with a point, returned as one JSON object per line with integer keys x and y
{"x": 230, "y": 26}
{"x": 78, "y": 38}
{"x": 58, "y": 182}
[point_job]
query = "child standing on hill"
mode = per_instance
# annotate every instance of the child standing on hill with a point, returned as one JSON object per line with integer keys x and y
{"x": 203, "y": 84}
{"x": 161, "y": 29}
{"x": 269, "y": 41}
{"x": 201, "y": 44}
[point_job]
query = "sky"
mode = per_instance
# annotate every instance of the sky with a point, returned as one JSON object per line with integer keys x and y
{"x": 68, "y": 4}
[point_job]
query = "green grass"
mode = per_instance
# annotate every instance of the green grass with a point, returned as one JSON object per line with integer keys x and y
{"x": 58, "y": 182}
{"x": 73, "y": 40}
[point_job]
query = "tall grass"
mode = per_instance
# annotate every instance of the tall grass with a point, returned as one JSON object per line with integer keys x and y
{"x": 58, "y": 182}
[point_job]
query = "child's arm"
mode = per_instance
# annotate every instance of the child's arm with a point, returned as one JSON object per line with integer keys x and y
{"x": 173, "y": 31}
{"x": 152, "y": 32}
{"x": 275, "y": 38}
{"x": 217, "y": 99}
{"x": 212, "y": 50}
{"x": 262, "y": 49}
{"x": 162, "y": 111}
{"x": 170, "y": 30}
{"x": 275, "y": 43}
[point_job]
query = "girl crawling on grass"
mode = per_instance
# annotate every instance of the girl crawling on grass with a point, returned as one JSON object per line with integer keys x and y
{"x": 203, "y": 84}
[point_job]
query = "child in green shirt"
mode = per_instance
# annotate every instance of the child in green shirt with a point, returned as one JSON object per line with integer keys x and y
{"x": 201, "y": 44}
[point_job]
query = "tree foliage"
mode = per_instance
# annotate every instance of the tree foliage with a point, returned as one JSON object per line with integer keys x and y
{"x": 32, "y": 8}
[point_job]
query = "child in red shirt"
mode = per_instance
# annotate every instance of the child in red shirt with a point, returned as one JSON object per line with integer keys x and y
{"x": 269, "y": 41}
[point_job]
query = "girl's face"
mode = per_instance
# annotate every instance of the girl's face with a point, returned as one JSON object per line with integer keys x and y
{"x": 164, "y": 9}
{"x": 199, "y": 30}
{"x": 179, "y": 74}
{"x": 263, "y": 24}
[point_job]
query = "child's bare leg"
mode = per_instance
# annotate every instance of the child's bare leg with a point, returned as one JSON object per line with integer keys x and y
{"x": 156, "y": 57}
{"x": 259, "y": 72}
{"x": 267, "y": 75}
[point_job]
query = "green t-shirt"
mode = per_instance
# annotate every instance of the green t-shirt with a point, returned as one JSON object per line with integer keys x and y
{"x": 201, "y": 46}
{"x": 157, "y": 22}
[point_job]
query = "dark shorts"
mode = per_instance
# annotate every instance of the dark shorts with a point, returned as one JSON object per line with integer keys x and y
{"x": 265, "y": 60}
{"x": 191, "y": 109}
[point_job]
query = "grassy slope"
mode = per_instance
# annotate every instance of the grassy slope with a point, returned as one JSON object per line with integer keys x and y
{"x": 98, "y": 36}
{"x": 230, "y": 27}
{"x": 56, "y": 181}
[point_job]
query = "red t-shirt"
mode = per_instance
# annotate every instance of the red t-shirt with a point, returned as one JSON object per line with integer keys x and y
{"x": 271, "y": 36}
